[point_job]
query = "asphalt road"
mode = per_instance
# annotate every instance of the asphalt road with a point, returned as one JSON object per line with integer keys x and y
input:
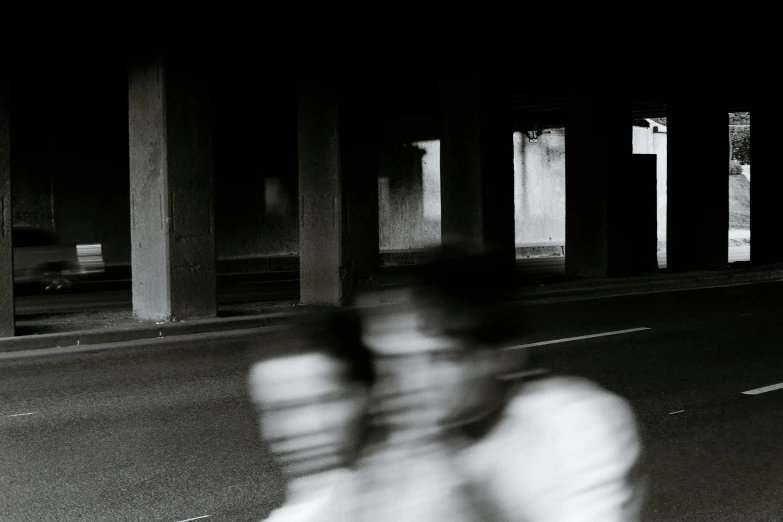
{"x": 164, "y": 432}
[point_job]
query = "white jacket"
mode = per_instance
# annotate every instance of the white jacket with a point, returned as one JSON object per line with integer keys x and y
{"x": 566, "y": 450}
{"x": 323, "y": 498}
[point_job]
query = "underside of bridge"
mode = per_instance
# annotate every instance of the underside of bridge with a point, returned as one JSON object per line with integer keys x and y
{"x": 167, "y": 87}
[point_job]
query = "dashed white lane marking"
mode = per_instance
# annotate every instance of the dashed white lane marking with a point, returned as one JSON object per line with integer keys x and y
{"x": 678, "y": 411}
{"x": 195, "y": 518}
{"x": 579, "y": 338}
{"x": 765, "y": 389}
{"x": 744, "y": 315}
{"x": 22, "y": 414}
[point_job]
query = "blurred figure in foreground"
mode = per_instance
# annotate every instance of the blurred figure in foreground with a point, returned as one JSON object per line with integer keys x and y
{"x": 549, "y": 449}
{"x": 315, "y": 413}
{"x": 313, "y": 408}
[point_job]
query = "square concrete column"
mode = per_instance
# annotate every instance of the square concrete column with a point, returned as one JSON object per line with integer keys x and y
{"x": 766, "y": 212}
{"x": 171, "y": 180}
{"x": 477, "y": 161}
{"x": 6, "y": 220}
{"x": 698, "y": 182}
{"x": 640, "y": 226}
{"x": 599, "y": 149}
{"x": 338, "y": 184}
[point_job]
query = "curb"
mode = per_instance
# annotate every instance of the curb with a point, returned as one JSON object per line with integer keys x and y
{"x": 143, "y": 332}
{"x": 523, "y": 297}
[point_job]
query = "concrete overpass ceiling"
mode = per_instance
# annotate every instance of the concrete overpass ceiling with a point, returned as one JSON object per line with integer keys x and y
{"x": 287, "y": 23}
{"x": 402, "y": 45}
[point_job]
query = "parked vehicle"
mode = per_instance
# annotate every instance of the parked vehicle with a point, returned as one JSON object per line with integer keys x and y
{"x": 40, "y": 258}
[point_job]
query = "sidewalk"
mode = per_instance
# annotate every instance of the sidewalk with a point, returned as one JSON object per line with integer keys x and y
{"x": 116, "y": 325}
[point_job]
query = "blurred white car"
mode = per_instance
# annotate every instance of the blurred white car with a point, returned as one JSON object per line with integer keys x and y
{"x": 41, "y": 258}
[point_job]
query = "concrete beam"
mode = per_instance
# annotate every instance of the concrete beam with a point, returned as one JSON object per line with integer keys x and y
{"x": 171, "y": 171}
{"x": 6, "y": 220}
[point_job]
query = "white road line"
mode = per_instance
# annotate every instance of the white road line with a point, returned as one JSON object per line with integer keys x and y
{"x": 521, "y": 375}
{"x": 21, "y": 414}
{"x": 564, "y": 299}
{"x": 765, "y": 389}
{"x": 196, "y": 518}
{"x": 678, "y": 411}
{"x": 579, "y": 338}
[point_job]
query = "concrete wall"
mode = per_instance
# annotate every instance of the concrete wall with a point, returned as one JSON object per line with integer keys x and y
{"x": 400, "y": 198}
{"x": 30, "y": 178}
{"x": 409, "y": 197}
{"x": 430, "y": 170}
{"x": 91, "y": 179}
{"x": 539, "y": 174}
{"x": 539, "y": 192}
{"x": 256, "y": 176}
{"x": 71, "y": 153}
{"x": 539, "y": 189}
{"x": 652, "y": 140}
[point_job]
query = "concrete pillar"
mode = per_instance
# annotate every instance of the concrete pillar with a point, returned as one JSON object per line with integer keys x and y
{"x": 477, "y": 161}
{"x": 171, "y": 185}
{"x": 640, "y": 228}
{"x": 599, "y": 147}
{"x": 766, "y": 213}
{"x": 6, "y": 220}
{"x": 338, "y": 184}
{"x": 698, "y": 182}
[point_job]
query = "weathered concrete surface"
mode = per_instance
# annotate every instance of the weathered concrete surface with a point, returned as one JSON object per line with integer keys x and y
{"x": 539, "y": 188}
{"x": 593, "y": 247}
{"x": 401, "y": 198}
{"x": 698, "y": 185}
{"x": 539, "y": 177}
{"x": 171, "y": 170}
{"x": 31, "y": 176}
{"x": 431, "y": 208}
{"x": 6, "y": 220}
{"x": 652, "y": 140}
{"x": 338, "y": 190}
{"x": 477, "y": 160}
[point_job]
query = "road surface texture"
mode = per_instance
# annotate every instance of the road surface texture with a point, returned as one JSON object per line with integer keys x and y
{"x": 167, "y": 433}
